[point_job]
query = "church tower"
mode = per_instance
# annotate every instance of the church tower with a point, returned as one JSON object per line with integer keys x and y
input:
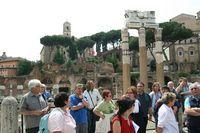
{"x": 67, "y": 29}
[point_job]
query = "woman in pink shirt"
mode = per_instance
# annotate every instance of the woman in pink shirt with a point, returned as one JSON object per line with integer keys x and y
{"x": 60, "y": 120}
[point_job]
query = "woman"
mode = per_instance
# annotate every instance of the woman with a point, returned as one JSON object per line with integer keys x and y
{"x": 105, "y": 110}
{"x": 122, "y": 123}
{"x": 60, "y": 120}
{"x": 166, "y": 119}
{"x": 136, "y": 115}
{"x": 155, "y": 95}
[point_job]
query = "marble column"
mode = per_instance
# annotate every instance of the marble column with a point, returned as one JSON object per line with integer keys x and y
{"x": 159, "y": 56}
{"x": 9, "y": 115}
{"x": 143, "y": 57}
{"x": 125, "y": 59}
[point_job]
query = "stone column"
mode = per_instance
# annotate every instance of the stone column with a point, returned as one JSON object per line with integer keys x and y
{"x": 143, "y": 57}
{"x": 9, "y": 115}
{"x": 159, "y": 56}
{"x": 125, "y": 59}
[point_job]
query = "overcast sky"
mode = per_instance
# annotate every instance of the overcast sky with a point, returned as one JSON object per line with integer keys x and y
{"x": 24, "y": 22}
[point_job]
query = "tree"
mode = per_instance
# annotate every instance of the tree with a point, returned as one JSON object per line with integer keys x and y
{"x": 172, "y": 32}
{"x": 133, "y": 44}
{"x": 113, "y": 59}
{"x": 24, "y": 67}
{"x": 113, "y": 36}
{"x": 98, "y": 37}
{"x": 56, "y": 40}
{"x": 83, "y": 43}
{"x": 72, "y": 51}
{"x": 58, "y": 57}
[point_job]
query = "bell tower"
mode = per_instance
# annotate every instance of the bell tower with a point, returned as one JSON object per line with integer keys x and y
{"x": 67, "y": 29}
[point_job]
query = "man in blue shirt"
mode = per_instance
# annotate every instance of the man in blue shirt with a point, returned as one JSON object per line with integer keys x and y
{"x": 78, "y": 109}
{"x": 45, "y": 94}
{"x": 192, "y": 108}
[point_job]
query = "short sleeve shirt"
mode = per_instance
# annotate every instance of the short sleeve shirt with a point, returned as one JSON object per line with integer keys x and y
{"x": 31, "y": 102}
{"x": 105, "y": 107}
{"x": 80, "y": 115}
{"x": 187, "y": 103}
{"x": 61, "y": 121}
{"x": 167, "y": 120}
{"x": 93, "y": 97}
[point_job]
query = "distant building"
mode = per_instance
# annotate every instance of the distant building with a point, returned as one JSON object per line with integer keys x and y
{"x": 189, "y": 21}
{"x": 187, "y": 52}
{"x": 8, "y": 65}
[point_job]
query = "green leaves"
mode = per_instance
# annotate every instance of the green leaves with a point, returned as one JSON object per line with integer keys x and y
{"x": 56, "y": 40}
{"x": 58, "y": 57}
{"x": 173, "y": 31}
{"x": 83, "y": 43}
{"x": 24, "y": 67}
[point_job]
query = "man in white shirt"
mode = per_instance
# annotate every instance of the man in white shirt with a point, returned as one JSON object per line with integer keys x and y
{"x": 166, "y": 119}
{"x": 93, "y": 97}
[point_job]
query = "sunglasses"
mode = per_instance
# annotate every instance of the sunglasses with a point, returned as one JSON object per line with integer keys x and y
{"x": 194, "y": 88}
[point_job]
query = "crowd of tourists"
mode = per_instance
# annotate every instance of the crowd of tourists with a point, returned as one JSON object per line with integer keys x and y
{"x": 87, "y": 111}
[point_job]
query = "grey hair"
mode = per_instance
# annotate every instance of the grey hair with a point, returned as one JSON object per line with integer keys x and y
{"x": 43, "y": 85}
{"x": 169, "y": 83}
{"x": 79, "y": 85}
{"x": 194, "y": 85}
{"x": 168, "y": 97}
{"x": 33, "y": 83}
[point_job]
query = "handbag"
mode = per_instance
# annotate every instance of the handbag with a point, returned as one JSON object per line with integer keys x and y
{"x": 94, "y": 116}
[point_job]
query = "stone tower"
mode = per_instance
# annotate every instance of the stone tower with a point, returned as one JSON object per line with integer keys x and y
{"x": 198, "y": 15}
{"x": 67, "y": 29}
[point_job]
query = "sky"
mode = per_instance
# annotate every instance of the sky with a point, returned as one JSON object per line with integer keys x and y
{"x": 24, "y": 22}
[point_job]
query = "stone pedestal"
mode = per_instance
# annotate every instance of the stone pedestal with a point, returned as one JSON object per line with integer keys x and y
{"x": 143, "y": 57}
{"x": 159, "y": 57}
{"x": 9, "y": 115}
{"x": 125, "y": 59}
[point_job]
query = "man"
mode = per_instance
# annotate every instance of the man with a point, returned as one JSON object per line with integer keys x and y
{"x": 192, "y": 108}
{"x": 166, "y": 119}
{"x": 170, "y": 84}
{"x": 78, "y": 109}
{"x": 183, "y": 92}
{"x": 177, "y": 104}
{"x": 93, "y": 97}
{"x": 33, "y": 106}
{"x": 45, "y": 94}
{"x": 183, "y": 88}
{"x": 145, "y": 102}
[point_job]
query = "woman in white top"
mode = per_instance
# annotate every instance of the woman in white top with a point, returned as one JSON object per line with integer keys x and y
{"x": 155, "y": 95}
{"x": 60, "y": 120}
{"x": 166, "y": 119}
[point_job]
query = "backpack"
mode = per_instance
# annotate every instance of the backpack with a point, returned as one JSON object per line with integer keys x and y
{"x": 43, "y": 126}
